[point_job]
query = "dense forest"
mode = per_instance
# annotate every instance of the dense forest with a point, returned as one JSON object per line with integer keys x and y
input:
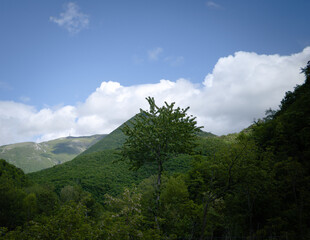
{"x": 161, "y": 177}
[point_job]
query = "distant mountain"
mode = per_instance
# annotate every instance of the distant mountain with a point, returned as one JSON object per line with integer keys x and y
{"x": 31, "y": 157}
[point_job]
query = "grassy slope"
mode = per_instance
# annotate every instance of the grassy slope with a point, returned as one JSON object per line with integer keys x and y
{"x": 32, "y": 157}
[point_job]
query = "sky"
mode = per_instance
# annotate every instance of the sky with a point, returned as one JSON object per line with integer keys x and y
{"x": 77, "y": 68}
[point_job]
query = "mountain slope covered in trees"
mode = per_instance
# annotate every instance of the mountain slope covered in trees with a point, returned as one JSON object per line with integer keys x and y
{"x": 250, "y": 185}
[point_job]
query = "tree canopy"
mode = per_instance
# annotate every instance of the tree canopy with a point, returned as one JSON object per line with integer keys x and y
{"x": 158, "y": 134}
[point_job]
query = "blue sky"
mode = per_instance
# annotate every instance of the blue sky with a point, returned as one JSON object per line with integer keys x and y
{"x": 56, "y": 56}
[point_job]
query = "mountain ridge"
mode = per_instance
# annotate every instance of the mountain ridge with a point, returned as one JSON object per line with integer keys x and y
{"x": 31, "y": 156}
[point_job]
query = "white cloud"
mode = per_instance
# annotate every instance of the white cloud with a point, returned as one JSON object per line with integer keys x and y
{"x": 240, "y": 88}
{"x": 154, "y": 53}
{"x": 20, "y": 122}
{"x": 72, "y": 19}
{"x": 243, "y": 86}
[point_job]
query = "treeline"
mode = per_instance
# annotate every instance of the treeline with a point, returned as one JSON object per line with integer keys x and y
{"x": 251, "y": 185}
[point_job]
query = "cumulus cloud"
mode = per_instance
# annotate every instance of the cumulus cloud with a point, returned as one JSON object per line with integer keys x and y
{"x": 153, "y": 54}
{"x": 73, "y": 20}
{"x": 239, "y": 89}
{"x": 20, "y": 122}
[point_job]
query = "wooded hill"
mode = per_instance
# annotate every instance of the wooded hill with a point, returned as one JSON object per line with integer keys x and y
{"x": 250, "y": 185}
{"x": 99, "y": 169}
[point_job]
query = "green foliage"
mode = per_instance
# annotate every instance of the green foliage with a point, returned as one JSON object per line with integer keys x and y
{"x": 306, "y": 71}
{"x": 12, "y": 196}
{"x": 285, "y": 135}
{"x": 211, "y": 145}
{"x": 47, "y": 199}
{"x": 158, "y": 134}
{"x": 155, "y": 136}
{"x": 12, "y": 211}
{"x": 70, "y": 222}
{"x": 177, "y": 209}
{"x": 123, "y": 217}
{"x": 231, "y": 187}
{"x": 100, "y": 173}
{"x": 30, "y": 203}
{"x": 70, "y": 193}
{"x": 10, "y": 174}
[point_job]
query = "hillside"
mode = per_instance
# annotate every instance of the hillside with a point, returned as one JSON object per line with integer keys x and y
{"x": 248, "y": 185}
{"x": 101, "y": 172}
{"x": 31, "y": 157}
{"x": 112, "y": 141}
{"x": 116, "y": 138}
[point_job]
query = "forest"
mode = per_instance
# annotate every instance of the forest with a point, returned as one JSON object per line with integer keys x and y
{"x": 162, "y": 177}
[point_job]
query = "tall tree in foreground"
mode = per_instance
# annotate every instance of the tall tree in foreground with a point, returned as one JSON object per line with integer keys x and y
{"x": 156, "y": 136}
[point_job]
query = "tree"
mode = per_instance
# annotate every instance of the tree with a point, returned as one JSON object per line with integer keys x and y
{"x": 12, "y": 181}
{"x": 306, "y": 71}
{"x": 177, "y": 209}
{"x": 286, "y": 136}
{"x": 123, "y": 218}
{"x": 70, "y": 221}
{"x": 233, "y": 167}
{"x": 157, "y": 135}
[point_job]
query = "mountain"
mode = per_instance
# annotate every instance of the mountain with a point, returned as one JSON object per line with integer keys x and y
{"x": 113, "y": 140}
{"x": 116, "y": 139}
{"x": 99, "y": 170}
{"x": 31, "y": 157}
{"x": 253, "y": 184}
